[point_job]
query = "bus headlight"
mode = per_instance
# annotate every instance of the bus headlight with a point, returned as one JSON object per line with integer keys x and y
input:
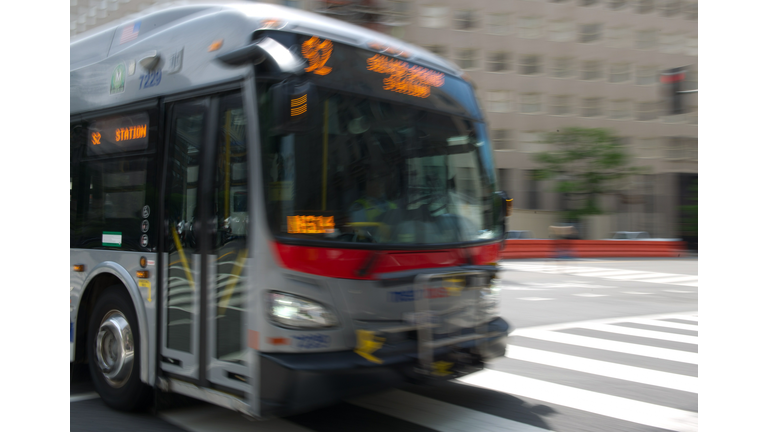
{"x": 294, "y": 311}
{"x": 490, "y": 301}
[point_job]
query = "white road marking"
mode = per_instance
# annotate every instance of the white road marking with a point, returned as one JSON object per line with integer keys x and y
{"x": 660, "y": 323}
{"x": 680, "y": 291}
{"x": 590, "y": 295}
{"x": 635, "y": 292}
{"x": 608, "y": 345}
{"x": 608, "y": 273}
{"x": 603, "y": 368}
{"x": 516, "y": 288}
{"x": 598, "y": 403}
{"x": 684, "y": 317}
{"x": 83, "y": 396}
{"x": 682, "y": 279}
{"x": 212, "y": 418}
{"x": 642, "y": 333}
{"x": 643, "y": 275}
{"x": 534, "y": 298}
{"x": 437, "y": 415}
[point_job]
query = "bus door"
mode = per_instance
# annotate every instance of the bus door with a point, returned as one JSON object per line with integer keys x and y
{"x": 206, "y": 216}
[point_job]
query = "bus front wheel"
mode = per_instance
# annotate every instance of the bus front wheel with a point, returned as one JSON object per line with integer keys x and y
{"x": 113, "y": 351}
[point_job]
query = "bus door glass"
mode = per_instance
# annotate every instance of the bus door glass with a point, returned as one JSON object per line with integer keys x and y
{"x": 207, "y": 218}
{"x": 181, "y": 301}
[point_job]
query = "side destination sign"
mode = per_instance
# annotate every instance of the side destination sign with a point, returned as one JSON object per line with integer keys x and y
{"x": 118, "y": 134}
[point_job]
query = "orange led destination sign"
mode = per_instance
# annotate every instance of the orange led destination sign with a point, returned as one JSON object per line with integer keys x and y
{"x": 310, "y": 224}
{"x": 317, "y": 53}
{"x": 404, "y": 78}
{"x": 130, "y": 133}
{"x": 119, "y": 133}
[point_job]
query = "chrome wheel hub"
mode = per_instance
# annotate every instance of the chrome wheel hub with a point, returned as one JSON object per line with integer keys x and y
{"x": 114, "y": 348}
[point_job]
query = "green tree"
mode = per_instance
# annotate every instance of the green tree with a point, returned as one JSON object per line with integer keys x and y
{"x": 585, "y": 164}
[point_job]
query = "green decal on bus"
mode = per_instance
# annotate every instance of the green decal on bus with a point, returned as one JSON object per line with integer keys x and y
{"x": 110, "y": 238}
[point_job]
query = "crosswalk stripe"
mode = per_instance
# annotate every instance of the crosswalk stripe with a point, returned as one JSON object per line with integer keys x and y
{"x": 668, "y": 324}
{"x": 642, "y": 333}
{"x": 437, "y": 415}
{"x": 608, "y": 345}
{"x": 603, "y": 368}
{"x": 684, "y": 317}
{"x": 643, "y": 275}
{"x": 686, "y": 279}
{"x": 611, "y": 406}
{"x": 601, "y": 273}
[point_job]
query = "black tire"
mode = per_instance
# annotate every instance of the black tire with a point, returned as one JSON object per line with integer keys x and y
{"x": 127, "y": 393}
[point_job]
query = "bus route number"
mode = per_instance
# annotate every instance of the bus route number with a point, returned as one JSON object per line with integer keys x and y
{"x": 150, "y": 80}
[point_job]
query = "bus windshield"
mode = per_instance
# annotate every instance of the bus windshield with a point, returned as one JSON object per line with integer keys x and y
{"x": 378, "y": 171}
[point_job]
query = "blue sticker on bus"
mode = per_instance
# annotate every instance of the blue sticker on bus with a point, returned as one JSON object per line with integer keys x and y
{"x": 411, "y": 295}
{"x": 71, "y": 332}
{"x": 150, "y": 80}
{"x": 311, "y": 341}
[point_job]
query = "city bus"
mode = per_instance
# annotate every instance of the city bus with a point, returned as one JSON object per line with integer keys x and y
{"x": 272, "y": 210}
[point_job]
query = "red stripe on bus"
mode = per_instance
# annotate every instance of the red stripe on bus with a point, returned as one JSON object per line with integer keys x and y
{"x": 346, "y": 263}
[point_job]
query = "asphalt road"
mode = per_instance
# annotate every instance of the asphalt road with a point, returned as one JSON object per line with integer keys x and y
{"x": 599, "y": 345}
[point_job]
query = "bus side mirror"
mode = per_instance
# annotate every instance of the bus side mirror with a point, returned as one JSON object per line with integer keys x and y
{"x": 295, "y": 106}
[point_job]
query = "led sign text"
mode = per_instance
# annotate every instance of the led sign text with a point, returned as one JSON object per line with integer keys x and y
{"x": 404, "y": 78}
{"x": 310, "y": 224}
{"x": 317, "y": 53}
{"x": 130, "y": 133}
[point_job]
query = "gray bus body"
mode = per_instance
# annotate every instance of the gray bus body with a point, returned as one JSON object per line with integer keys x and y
{"x": 144, "y": 81}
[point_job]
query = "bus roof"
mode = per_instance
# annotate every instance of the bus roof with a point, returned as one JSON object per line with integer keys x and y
{"x": 102, "y": 63}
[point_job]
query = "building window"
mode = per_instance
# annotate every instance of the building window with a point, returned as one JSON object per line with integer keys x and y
{"x": 648, "y": 148}
{"x": 562, "y": 67}
{"x": 499, "y": 61}
{"x": 466, "y": 58}
{"x": 693, "y": 115}
{"x": 647, "y": 111}
{"x": 590, "y": 32}
{"x": 502, "y": 139}
{"x": 561, "y": 105}
{"x": 619, "y": 72}
{"x": 533, "y": 189}
{"x": 619, "y": 37}
{"x": 617, "y": 4}
{"x": 499, "y": 101}
{"x": 692, "y": 46}
{"x": 691, "y": 10}
{"x": 530, "y": 64}
{"x": 645, "y": 39}
{"x": 591, "y": 107}
{"x": 440, "y": 50}
{"x": 499, "y": 24}
{"x": 530, "y": 103}
{"x": 465, "y": 20}
{"x": 532, "y": 142}
{"x": 620, "y": 110}
{"x": 591, "y": 70}
{"x": 530, "y": 27}
{"x": 669, "y": 8}
{"x": 671, "y": 43}
{"x": 643, "y": 6}
{"x": 434, "y": 16}
{"x": 646, "y": 75}
{"x": 505, "y": 180}
{"x": 561, "y": 31}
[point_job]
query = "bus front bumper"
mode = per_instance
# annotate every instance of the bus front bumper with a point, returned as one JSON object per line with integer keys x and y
{"x": 293, "y": 383}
